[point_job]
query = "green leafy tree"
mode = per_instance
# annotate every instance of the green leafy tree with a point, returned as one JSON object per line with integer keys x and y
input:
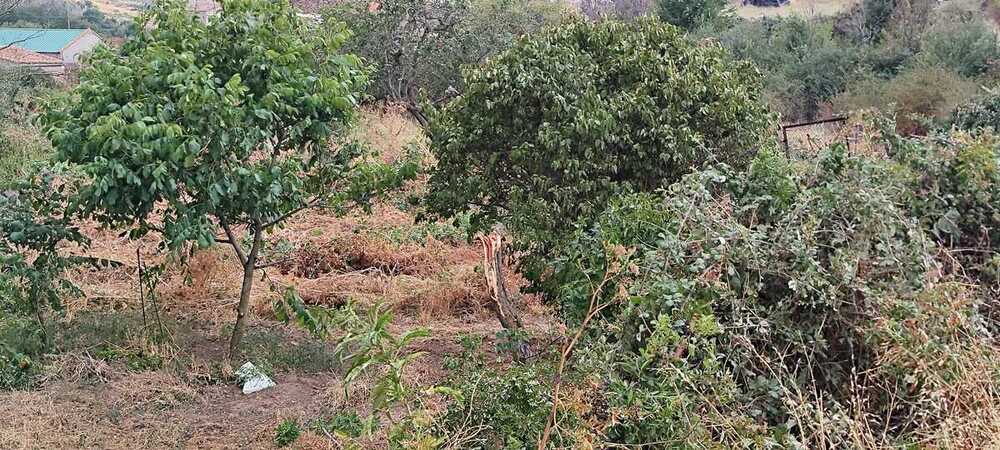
{"x": 200, "y": 129}
{"x": 691, "y": 14}
{"x": 550, "y": 130}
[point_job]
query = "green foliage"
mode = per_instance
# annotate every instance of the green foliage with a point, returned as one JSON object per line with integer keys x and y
{"x": 920, "y": 97}
{"x": 22, "y": 153}
{"x": 549, "y": 131}
{"x": 954, "y": 188}
{"x": 419, "y": 46}
{"x": 346, "y": 424}
{"x": 227, "y": 119}
{"x": 20, "y": 87}
{"x": 368, "y": 348}
{"x": 213, "y": 126}
{"x": 983, "y": 112}
{"x": 502, "y": 409}
{"x": 33, "y": 228}
{"x": 804, "y": 65}
{"x": 754, "y": 293}
{"x": 967, "y": 46}
{"x": 287, "y": 432}
{"x": 692, "y": 14}
{"x": 22, "y": 342}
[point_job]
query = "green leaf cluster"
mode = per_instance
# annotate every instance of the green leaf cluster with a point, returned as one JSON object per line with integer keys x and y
{"x": 192, "y": 121}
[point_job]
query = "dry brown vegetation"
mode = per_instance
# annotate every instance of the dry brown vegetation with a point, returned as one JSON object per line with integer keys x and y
{"x": 432, "y": 281}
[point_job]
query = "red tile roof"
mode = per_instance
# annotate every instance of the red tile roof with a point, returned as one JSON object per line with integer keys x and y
{"x": 18, "y": 55}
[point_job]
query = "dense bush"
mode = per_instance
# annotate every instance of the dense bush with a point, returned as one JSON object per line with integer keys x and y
{"x": 955, "y": 191}
{"x": 550, "y": 130}
{"x": 34, "y": 226}
{"x": 199, "y": 128}
{"x": 22, "y": 341}
{"x": 979, "y": 113}
{"x": 755, "y": 299}
{"x": 501, "y": 409}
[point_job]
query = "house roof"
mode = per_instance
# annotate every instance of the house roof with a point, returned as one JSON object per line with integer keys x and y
{"x": 42, "y": 40}
{"x": 18, "y": 55}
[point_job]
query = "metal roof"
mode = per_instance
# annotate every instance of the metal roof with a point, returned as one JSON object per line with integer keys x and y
{"x": 42, "y": 40}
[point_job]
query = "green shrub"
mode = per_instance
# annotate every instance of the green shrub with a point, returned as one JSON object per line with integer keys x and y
{"x": 919, "y": 97}
{"x": 508, "y": 409}
{"x": 549, "y": 131}
{"x": 22, "y": 343}
{"x": 983, "y": 112}
{"x": 968, "y": 46}
{"x": 753, "y": 300}
{"x": 22, "y": 151}
{"x": 34, "y": 226}
{"x": 954, "y": 189}
{"x": 170, "y": 130}
{"x": 418, "y": 47}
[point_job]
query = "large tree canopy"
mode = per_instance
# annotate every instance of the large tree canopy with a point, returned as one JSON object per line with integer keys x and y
{"x": 550, "y": 130}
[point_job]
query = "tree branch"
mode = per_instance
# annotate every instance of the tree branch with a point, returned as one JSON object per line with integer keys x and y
{"x": 232, "y": 241}
{"x": 283, "y": 217}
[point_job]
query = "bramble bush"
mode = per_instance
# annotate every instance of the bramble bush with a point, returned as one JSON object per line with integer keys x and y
{"x": 954, "y": 189}
{"x": 547, "y": 132}
{"x": 767, "y": 305}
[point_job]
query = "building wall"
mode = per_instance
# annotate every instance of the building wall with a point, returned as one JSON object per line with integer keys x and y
{"x": 75, "y": 50}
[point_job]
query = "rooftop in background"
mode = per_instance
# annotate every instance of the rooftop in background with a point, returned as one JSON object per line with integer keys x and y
{"x": 19, "y": 55}
{"x": 40, "y": 40}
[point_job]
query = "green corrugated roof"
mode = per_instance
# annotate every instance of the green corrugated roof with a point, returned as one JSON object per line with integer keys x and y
{"x": 41, "y": 40}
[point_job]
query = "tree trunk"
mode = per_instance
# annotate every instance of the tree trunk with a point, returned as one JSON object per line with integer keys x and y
{"x": 493, "y": 260}
{"x": 244, "y": 306}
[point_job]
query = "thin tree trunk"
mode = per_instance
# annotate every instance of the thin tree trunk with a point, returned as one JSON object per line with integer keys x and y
{"x": 244, "y": 306}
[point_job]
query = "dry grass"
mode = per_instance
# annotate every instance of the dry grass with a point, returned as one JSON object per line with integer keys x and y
{"x": 802, "y": 8}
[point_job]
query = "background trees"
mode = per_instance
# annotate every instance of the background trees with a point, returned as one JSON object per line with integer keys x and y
{"x": 197, "y": 130}
{"x": 418, "y": 47}
{"x": 691, "y": 14}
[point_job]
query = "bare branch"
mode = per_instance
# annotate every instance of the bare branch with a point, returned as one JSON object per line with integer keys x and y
{"x": 233, "y": 242}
